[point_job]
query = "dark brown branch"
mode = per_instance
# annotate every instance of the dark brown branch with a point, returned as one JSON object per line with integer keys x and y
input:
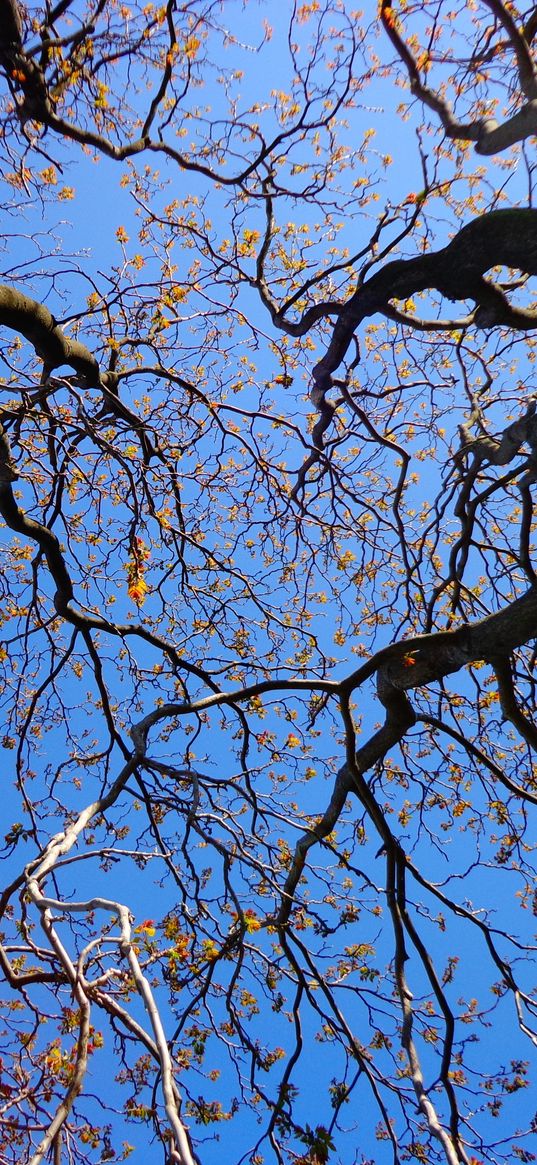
{"x": 36, "y": 323}
{"x": 489, "y": 136}
{"x": 509, "y": 703}
{"x": 519, "y": 44}
{"x": 505, "y": 238}
{"x": 18, "y": 521}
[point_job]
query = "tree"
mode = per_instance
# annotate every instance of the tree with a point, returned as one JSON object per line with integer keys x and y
{"x": 269, "y": 877}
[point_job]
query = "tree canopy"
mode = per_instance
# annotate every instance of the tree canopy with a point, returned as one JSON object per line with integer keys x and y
{"x": 268, "y": 455}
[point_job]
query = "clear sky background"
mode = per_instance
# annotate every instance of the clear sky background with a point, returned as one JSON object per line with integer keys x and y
{"x": 89, "y": 256}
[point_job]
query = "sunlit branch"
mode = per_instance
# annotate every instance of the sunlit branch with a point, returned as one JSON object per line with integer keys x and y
{"x": 489, "y": 136}
{"x": 182, "y": 1153}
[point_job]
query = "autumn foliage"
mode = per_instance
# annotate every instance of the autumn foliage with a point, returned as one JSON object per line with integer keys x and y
{"x": 268, "y": 454}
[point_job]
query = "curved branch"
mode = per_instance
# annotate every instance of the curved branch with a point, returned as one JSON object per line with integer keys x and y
{"x": 36, "y": 323}
{"x": 18, "y": 521}
{"x": 509, "y": 703}
{"x": 505, "y": 238}
{"x": 501, "y": 238}
{"x": 489, "y": 136}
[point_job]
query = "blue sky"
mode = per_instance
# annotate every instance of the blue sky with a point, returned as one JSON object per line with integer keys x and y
{"x": 101, "y": 205}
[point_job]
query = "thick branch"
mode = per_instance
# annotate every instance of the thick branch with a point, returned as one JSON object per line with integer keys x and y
{"x": 33, "y": 320}
{"x": 505, "y": 238}
{"x": 425, "y": 659}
